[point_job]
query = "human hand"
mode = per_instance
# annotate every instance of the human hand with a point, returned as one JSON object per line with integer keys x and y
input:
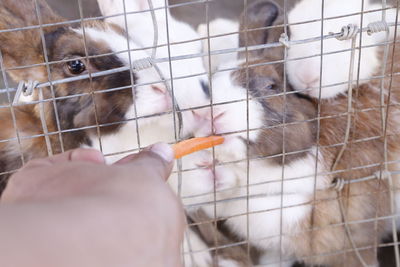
{"x": 89, "y": 214}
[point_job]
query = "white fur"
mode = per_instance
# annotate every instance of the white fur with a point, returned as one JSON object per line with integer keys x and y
{"x": 228, "y": 263}
{"x": 304, "y": 74}
{"x": 274, "y": 259}
{"x": 230, "y": 40}
{"x": 201, "y": 257}
{"x": 197, "y": 253}
{"x": 188, "y": 91}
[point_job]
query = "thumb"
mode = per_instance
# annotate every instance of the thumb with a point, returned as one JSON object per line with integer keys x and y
{"x": 157, "y": 159}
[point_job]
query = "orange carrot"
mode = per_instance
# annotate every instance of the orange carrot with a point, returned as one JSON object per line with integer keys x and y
{"x": 190, "y": 146}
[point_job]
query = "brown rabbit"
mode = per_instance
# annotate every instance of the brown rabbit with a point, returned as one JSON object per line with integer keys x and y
{"x": 292, "y": 210}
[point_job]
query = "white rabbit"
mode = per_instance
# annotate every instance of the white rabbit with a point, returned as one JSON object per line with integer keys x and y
{"x": 287, "y": 209}
{"x": 304, "y": 63}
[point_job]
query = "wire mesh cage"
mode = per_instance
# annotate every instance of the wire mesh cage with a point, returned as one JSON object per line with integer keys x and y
{"x": 304, "y": 92}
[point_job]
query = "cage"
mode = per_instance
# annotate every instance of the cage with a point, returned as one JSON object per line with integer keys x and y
{"x": 304, "y": 92}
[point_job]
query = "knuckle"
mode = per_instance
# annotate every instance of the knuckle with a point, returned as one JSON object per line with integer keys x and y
{"x": 34, "y": 163}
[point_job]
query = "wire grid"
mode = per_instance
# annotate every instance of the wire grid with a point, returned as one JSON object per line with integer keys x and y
{"x": 246, "y": 241}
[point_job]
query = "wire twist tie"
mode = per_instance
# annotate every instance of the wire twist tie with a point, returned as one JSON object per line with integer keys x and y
{"x": 143, "y": 63}
{"x": 348, "y": 32}
{"x": 385, "y": 174}
{"x": 24, "y": 88}
{"x": 284, "y": 40}
{"x": 377, "y": 26}
{"x": 338, "y": 184}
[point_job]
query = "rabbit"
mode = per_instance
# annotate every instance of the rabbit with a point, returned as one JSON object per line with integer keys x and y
{"x": 175, "y": 39}
{"x": 113, "y": 110}
{"x": 152, "y": 105}
{"x": 286, "y": 206}
{"x": 304, "y": 60}
{"x": 229, "y": 40}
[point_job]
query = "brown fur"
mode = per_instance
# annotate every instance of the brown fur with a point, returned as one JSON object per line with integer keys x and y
{"x": 24, "y": 47}
{"x": 298, "y": 134}
{"x": 214, "y": 237}
{"x": 363, "y": 200}
{"x": 27, "y": 124}
{"x": 323, "y": 232}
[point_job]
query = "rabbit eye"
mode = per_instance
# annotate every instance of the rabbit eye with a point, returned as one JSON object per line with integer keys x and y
{"x": 270, "y": 86}
{"x": 76, "y": 67}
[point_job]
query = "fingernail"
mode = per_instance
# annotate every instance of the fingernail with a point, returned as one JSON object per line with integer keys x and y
{"x": 164, "y": 151}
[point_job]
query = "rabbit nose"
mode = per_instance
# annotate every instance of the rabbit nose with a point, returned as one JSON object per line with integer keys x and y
{"x": 217, "y": 121}
{"x": 201, "y": 114}
{"x": 211, "y": 121}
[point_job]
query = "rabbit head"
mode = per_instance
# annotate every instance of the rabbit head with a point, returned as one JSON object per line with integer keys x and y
{"x": 262, "y": 77}
{"x": 175, "y": 39}
{"x": 306, "y": 70}
{"x": 73, "y": 50}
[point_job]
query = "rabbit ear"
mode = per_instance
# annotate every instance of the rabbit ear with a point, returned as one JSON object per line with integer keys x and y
{"x": 259, "y": 15}
{"x": 23, "y": 47}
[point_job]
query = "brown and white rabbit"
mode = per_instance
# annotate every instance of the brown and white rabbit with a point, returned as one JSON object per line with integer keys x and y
{"x": 285, "y": 205}
{"x": 94, "y": 104}
{"x": 186, "y": 77}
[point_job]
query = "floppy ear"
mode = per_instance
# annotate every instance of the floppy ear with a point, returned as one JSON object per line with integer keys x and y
{"x": 22, "y": 47}
{"x": 256, "y": 22}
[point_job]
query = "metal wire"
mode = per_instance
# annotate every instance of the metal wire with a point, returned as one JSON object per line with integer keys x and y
{"x": 144, "y": 63}
{"x": 347, "y": 32}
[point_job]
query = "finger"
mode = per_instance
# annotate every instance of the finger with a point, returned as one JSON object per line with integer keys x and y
{"x": 158, "y": 158}
{"x": 127, "y": 159}
{"x": 80, "y": 154}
